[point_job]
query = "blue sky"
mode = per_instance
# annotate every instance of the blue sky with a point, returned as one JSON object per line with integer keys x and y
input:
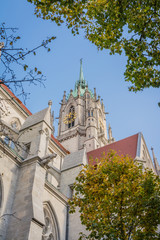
{"x": 129, "y": 112}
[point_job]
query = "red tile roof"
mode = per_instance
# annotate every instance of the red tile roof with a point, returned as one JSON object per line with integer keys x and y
{"x": 125, "y": 146}
{"x": 59, "y": 144}
{"x": 27, "y": 111}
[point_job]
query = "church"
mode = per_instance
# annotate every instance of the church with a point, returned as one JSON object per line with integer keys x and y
{"x": 38, "y": 170}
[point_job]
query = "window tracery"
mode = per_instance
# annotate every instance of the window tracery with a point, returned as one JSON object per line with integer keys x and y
{"x": 50, "y": 230}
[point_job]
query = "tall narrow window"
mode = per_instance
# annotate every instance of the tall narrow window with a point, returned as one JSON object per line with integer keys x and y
{"x": 71, "y": 117}
{"x": 92, "y": 113}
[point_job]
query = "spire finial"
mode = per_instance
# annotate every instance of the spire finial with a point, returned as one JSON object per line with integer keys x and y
{"x": 64, "y": 97}
{"x": 156, "y": 164}
{"x": 50, "y": 103}
{"x": 81, "y": 77}
{"x": 110, "y": 132}
{"x": 111, "y": 139}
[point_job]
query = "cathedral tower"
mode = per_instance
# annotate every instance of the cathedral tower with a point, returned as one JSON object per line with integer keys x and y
{"x": 82, "y": 120}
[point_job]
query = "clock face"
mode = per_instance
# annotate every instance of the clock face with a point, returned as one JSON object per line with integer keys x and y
{"x": 69, "y": 118}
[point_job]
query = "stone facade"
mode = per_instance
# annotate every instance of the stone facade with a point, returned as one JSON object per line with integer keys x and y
{"x": 30, "y": 169}
{"x": 37, "y": 171}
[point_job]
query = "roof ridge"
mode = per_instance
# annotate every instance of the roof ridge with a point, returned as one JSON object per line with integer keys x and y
{"x": 115, "y": 142}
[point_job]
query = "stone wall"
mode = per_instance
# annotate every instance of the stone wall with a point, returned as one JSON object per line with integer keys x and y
{"x": 27, "y": 203}
{"x": 9, "y": 171}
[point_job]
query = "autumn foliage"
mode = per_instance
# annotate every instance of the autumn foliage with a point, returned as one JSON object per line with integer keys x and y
{"x": 117, "y": 200}
{"x": 131, "y": 27}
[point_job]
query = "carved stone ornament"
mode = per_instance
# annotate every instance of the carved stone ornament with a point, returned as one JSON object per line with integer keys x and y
{"x": 15, "y": 123}
{"x": 4, "y": 109}
{"x": 50, "y": 228}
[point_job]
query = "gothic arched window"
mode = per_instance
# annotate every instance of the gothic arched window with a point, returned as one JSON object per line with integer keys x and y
{"x": 50, "y": 230}
{"x": 71, "y": 117}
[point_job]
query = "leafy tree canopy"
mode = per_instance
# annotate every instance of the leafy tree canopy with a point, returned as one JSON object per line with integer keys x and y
{"x": 132, "y": 26}
{"x": 117, "y": 199}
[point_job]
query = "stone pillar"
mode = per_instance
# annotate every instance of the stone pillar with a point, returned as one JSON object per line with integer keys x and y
{"x": 28, "y": 203}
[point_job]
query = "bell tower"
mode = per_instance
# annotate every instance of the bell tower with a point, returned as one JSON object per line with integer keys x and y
{"x": 82, "y": 119}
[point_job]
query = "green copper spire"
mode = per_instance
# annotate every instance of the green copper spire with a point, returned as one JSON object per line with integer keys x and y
{"x": 81, "y": 77}
{"x": 80, "y": 86}
{"x": 81, "y": 82}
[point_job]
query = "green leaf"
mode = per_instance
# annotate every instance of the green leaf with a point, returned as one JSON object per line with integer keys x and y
{"x": 25, "y": 67}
